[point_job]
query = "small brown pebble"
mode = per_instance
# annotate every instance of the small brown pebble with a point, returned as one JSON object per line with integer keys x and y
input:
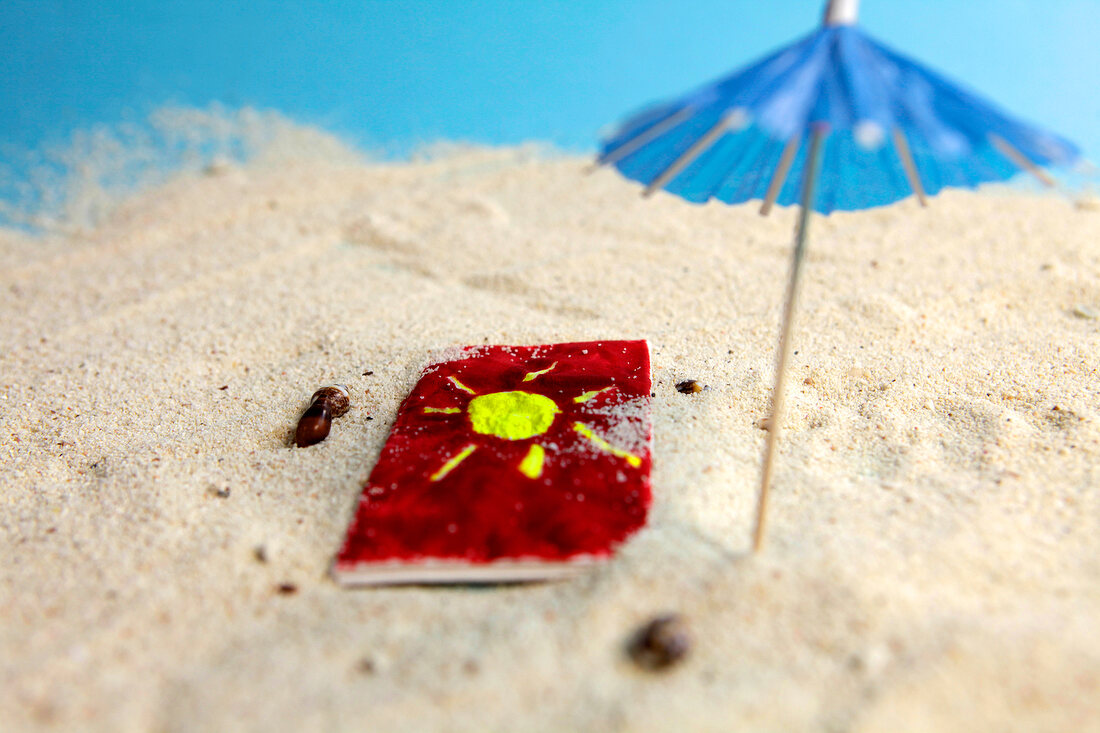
{"x": 316, "y": 421}
{"x": 368, "y": 373}
{"x": 287, "y": 589}
{"x": 219, "y": 166}
{"x": 661, "y": 643}
{"x": 260, "y": 553}
{"x": 1087, "y": 312}
{"x": 373, "y": 663}
{"x": 689, "y": 386}
{"x": 224, "y": 387}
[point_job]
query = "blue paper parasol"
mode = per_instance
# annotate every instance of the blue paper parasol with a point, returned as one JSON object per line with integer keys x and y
{"x": 835, "y": 121}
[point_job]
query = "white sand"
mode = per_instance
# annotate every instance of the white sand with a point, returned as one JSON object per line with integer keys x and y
{"x": 934, "y": 559}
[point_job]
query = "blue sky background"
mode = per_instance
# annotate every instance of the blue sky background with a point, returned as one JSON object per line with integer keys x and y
{"x": 392, "y": 74}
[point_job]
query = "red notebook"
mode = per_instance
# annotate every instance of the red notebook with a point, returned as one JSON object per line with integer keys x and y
{"x": 508, "y": 463}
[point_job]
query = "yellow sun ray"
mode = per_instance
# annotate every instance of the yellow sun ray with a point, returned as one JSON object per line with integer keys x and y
{"x": 586, "y": 396}
{"x": 606, "y": 447}
{"x": 531, "y": 465}
{"x": 453, "y": 462}
{"x": 460, "y": 385}
{"x": 531, "y": 375}
{"x": 442, "y": 410}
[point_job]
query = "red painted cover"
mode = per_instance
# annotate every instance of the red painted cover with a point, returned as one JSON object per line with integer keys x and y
{"x": 511, "y": 453}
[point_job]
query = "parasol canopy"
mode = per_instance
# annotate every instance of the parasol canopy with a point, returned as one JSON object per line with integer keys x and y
{"x": 728, "y": 139}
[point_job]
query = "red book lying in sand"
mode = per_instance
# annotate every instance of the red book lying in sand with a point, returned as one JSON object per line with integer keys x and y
{"x": 508, "y": 463}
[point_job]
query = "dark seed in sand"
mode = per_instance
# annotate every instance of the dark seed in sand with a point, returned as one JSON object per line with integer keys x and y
{"x": 314, "y": 425}
{"x": 661, "y": 643}
{"x": 689, "y": 386}
{"x": 287, "y": 589}
{"x": 221, "y": 493}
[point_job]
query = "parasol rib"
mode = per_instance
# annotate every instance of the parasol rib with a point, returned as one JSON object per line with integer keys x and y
{"x": 691, "y": 153}
{"x": 809, "y": 182}
{"x": 910, "y": 165}
{"x": 780, "y": 175}
{"x": 643, "y": 138}
{"x": 1006, "y": 149}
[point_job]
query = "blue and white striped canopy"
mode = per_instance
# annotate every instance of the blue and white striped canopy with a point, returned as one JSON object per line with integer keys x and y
{"x": 887, "y": 119}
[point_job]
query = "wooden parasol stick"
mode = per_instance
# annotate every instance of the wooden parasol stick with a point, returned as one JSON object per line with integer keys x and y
{"x": 809, "y": 182}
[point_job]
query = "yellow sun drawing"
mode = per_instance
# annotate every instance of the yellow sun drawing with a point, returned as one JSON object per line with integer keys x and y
{"x": 519, "y": 415}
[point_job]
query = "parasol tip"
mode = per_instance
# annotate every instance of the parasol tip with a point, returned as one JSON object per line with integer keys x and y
{"x": 842, "y": 12}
